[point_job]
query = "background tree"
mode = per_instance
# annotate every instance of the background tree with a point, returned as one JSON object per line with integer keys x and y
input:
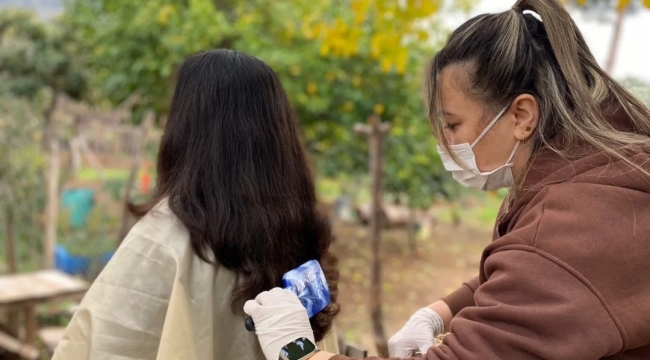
{"x": 22, "y": 184}
{"x": 351, "y": 62}
{"x": 339, "y": 64}
{"x": 131, "y": 46}
{"x": 38, "y": 61}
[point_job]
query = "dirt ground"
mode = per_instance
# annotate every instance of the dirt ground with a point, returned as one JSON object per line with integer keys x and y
{"x": 450, "y": 256}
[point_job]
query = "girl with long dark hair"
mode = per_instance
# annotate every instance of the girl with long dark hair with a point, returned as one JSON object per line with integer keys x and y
{"x": 234, "y": 209}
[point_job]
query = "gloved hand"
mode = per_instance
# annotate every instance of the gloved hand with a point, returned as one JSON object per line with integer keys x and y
{"x": 417, "y": 335}
{"x": 279, "y": 319}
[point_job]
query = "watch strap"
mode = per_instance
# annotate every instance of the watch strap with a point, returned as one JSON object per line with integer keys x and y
{"x": 322, "y": 355}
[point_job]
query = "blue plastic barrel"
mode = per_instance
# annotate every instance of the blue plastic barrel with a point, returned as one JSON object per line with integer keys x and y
{"x": 68, "y": 263}
{"x": 78, "y": 264}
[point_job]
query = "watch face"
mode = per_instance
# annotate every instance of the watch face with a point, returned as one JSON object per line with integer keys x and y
{"x": 297, "y": 349}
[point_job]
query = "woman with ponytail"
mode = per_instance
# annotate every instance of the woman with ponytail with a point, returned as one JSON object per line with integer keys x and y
{"x": 517, "y": 100}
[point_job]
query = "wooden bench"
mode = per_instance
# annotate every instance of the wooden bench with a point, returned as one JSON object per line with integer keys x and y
{"x": 51, "y": 336}
{"x": 21, "y": 293}
{"x": 15, "y": 346}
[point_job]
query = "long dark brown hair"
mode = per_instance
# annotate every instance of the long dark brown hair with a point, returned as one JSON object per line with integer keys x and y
{"x": 234, "y": 172}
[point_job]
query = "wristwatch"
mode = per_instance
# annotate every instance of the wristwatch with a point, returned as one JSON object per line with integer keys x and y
{"x": 299, "y": 349}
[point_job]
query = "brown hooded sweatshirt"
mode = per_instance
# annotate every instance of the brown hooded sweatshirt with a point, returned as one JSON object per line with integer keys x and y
{"x": 567, "y": 276}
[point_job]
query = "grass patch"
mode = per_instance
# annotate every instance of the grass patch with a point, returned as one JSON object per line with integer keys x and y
{"x": 328, "y": 189}
{"x": 88, "y": 174}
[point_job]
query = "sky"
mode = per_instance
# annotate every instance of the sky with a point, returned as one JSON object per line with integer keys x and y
{"x": 633, "y": 57}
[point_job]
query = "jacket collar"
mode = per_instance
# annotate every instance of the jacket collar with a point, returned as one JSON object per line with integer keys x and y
{"x": 548, "y": 167}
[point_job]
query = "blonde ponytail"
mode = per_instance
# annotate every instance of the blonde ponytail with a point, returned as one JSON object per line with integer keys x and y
{"x": 561, "y": 31}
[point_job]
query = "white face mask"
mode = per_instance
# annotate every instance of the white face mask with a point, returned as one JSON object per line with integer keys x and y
{"x": 470, "y": 175}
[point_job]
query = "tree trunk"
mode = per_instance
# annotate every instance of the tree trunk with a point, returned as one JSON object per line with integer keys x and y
{"x": 616, "y": 37}
{"x": 412, "y": 232}
{"x": 135, "y": 168}
{"x": 455, "y": 214}
{"x": 75, "y": 147}
{"x": 52, "y": 216}
{"x": 375, "y": 230}
{"x": 48, "y": 125}
{"x": 375, "y": 133}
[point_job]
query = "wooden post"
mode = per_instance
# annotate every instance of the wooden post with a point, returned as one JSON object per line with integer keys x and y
{"x": 31, "y": 324}
{"x": 10, "y": 255}
{"x": 48, "y": 116}
{"x": 75, "y": 147}
{"x": 141, "y": 137}
{"x": 92, "y": 159}
{"x": 10, "y": 250}
{"x": 375, "y": 131}
{"x": 52, "y": 215}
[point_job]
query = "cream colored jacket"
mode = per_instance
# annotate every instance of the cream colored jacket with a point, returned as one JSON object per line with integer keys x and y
{"x": 156, "y": 300}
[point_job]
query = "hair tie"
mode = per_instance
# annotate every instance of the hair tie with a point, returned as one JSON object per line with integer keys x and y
{"x": 517, "y": 7}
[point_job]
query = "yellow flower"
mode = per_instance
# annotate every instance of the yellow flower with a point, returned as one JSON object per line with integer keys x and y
{"x": 402, "y": 57}
{"x": 379, "y": 109}
{"x": 357, "y": 278}
{"x": 359, "y": 18}
{"x": 376, "y": 45}
{"x": 312, "y": 88}
{"x": 356, "y": 80}
{"x": 165, "y": 13}
{"x": 176, "y": 39}
{"x": 324, "y": 49}
{"x": 294, "y": 70}
{"x": 348, "y": 106}
{"x": 289, "y": 32}
{"x": 385, "y": 65}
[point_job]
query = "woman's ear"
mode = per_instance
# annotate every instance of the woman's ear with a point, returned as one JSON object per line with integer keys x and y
{"x": 526, "y": 111}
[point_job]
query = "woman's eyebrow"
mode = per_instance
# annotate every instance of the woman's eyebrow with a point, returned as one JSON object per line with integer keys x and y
{"x": 449, "y": 114}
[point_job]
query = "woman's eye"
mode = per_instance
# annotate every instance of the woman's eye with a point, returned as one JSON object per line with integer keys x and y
{"x": 450, "y": 127}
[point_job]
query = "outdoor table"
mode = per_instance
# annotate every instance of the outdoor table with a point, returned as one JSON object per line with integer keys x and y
{"x": 24, "y": 291}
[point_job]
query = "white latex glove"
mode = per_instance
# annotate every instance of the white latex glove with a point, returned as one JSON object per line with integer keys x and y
{"x": 417, "y": 335}
{"x": 279, "y": 319}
